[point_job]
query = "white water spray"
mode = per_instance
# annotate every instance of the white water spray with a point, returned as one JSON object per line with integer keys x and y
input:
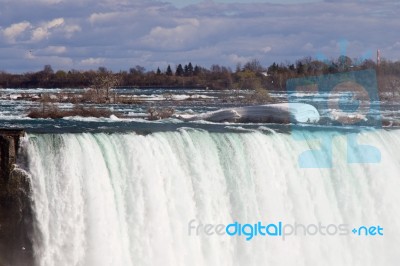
{"x": 127, "y": 199}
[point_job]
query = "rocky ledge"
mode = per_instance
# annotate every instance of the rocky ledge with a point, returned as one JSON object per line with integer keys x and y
{"x": 15, "y": 205}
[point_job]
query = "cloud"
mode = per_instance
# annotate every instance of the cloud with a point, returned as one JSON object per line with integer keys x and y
{"x": 122, "y": 34}
{"x": 71, "y": 29}
{"x": 43, "y": 31}
{"x": 92, "y": 61}
{"x": 234, "y": 58}
{"x": 266, "y": 49}
{"x": 103, "y": 17}
{"x": 173, "y": 37}
{"x": 54, "y": 23}
{"x": 39, "y": 34}
{"x": 12, "y": 32}
{"x": 26, "y": 32}
{"x": 55, "y": 49}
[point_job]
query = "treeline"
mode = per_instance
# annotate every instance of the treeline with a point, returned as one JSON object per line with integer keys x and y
{"x": 251, "y": 75}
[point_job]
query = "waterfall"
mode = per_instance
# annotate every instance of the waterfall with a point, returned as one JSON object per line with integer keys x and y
{"x": 128, "y": 199}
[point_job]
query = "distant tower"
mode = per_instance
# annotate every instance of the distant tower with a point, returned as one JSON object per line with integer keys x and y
{"x": 378, "y": 57}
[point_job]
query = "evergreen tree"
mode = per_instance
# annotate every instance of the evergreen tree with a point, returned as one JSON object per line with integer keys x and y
{"x": 197, "y": 70}
{"x": 300, "y": 67}
{"x": 158, "y": 71}
{"x": 169, "y": 71}
{"x": 190, "y": 69}
{"x": 179, "y": 70}
{"x": 273, "y": 68}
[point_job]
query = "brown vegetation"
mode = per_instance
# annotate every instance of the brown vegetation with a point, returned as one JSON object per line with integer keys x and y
{"x": 52, "y": 111}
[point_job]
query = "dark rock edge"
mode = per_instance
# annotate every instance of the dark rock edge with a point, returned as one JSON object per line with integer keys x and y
{"x": 15, "y": 204}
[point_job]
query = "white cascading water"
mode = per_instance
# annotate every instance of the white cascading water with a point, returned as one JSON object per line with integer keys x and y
{"x": 127, "y": 199}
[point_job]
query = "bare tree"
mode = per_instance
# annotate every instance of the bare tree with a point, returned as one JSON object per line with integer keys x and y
{"x": 254, "y": 66}
{"x": 104, "y": 82}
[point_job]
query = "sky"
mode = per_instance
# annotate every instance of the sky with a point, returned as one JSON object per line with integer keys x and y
{"x": 120, "y": 34}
